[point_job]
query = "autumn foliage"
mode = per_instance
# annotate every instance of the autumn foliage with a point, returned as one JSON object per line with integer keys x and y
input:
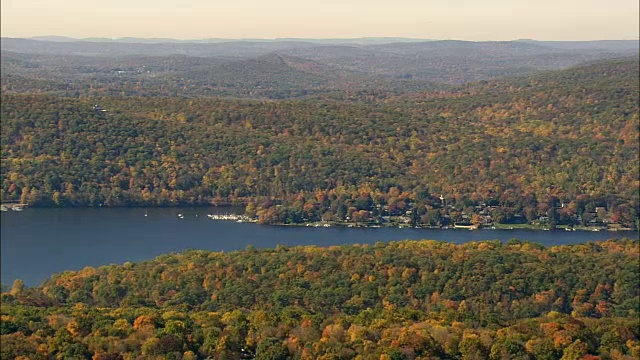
{"x": 401, "y": 300}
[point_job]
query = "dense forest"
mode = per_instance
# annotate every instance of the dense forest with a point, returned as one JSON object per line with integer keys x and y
{"x": 557, "y": 147}
{"x": 401, "y": 300}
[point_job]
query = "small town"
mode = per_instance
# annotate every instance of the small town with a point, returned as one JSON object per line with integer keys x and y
{"x": 563, "y": 215}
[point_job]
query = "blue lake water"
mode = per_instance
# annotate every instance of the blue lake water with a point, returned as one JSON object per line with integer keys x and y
{"x": 36, "y": 243}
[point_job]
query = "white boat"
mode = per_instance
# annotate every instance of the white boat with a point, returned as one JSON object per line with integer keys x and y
{"x": 229, "y": 217}
{"x": 4, "y": 208}
{"x": 180, "y": 216}
{"x": 17, "y": 208}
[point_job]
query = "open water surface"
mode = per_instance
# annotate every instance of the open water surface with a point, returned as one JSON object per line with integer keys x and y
{"x": 36, "y": 243}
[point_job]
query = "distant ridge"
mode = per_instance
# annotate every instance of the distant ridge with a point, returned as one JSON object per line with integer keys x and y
{"x": 304, "y": 47}
{"x": 362, "y": 41}
{"x": 135, "y": 40}
{"x": 130, "y": 40}
{"x": 53, "y": 38}
{"x": 591, "y": 44}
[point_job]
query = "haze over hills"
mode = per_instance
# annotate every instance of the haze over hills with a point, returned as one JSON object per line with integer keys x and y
{"x": 605, "y": 44}
{"x": 361, "y": 41}
{"x": 238, "y": 68}
{"x": 255, "y": 47}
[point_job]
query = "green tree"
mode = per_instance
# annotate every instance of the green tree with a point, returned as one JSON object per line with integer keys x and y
{"x": 272, "y": 349}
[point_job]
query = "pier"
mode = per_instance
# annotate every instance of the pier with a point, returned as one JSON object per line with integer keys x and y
{"x": 12, "y": 206}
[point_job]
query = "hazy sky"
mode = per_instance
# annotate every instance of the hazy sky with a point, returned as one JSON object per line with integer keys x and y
{"x": 429, "y": 19}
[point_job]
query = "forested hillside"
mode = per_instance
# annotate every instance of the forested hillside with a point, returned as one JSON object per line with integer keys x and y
{"x": 402, "y": 300}
{"x": 555, "y": 145}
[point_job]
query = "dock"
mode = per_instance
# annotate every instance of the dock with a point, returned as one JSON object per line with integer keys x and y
{"x": 12, "y": 206}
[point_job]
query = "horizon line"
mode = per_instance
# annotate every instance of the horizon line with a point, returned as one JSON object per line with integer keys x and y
{"x": 88, "y": 39}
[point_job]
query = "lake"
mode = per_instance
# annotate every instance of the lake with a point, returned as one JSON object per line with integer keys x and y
{"x": 36, "y": 243}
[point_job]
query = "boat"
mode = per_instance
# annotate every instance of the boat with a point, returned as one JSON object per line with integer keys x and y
{"x": 463, "y": 226}
{"x": 17, "y": 208}
{"x": 180, "y": 216}
{"x": 229, "y": 217}
{"x": 3, "y": 208}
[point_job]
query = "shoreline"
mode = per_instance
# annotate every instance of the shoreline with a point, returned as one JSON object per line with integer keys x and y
{"x": 239, "y": 217}
{"x": 327, "y": 224}
{"x": 401, "y": 226}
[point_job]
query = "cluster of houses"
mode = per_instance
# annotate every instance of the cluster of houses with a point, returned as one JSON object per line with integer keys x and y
{"x": 485, "y": 216}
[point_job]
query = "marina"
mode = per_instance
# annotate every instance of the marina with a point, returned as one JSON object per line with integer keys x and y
{"x": 231, "y": 217}
{"x": 12, "y": 206}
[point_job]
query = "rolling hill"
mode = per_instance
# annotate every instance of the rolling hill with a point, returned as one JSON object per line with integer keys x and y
{"x": 567, "y": 135}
